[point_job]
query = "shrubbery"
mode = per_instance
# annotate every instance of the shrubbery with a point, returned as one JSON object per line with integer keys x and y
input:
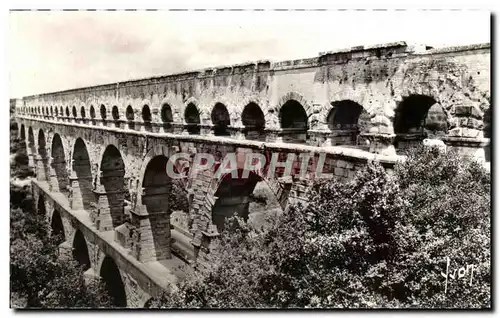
{"x": 38, "y": 278}
{"x": 378, "y": 241}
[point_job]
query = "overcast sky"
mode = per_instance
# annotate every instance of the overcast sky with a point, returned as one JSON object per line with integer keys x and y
{"x": 52, "y": 51}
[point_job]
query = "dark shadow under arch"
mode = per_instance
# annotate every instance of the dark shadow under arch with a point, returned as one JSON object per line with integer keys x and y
{"x": 192, "y": 118}
{"x": 112, "y": 279}
{"x": 80, "y": 251}
{"x": 294, "y": 122}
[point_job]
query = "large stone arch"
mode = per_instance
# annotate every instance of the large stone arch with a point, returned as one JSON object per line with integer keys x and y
{"x": 42, "y": 157}
{"x": 152, "y": 217}
{"x": 111, "y": 276}
{"x": 110, "y": 189}
{"x": 236, "y": 196}
{"x": 59, "y": 177}
{"x": 81, "y": 177}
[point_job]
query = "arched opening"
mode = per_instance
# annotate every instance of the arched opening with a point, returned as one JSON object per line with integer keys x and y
{"x": 249, "y": 198}
{"x": 82, "y": 194}
{"x": 41, "y": 211}
{"x": 129, "y": 114}
{"x": 416, "y": 118}
{"x": 80, "y": 251}
{"x": 61, "y": 181}
{"x": 51, "y": 111}
{"x": 92, "y": 112}
{"x": 112, "y": 279}
{"x": 293, "y": 120}
{"x": 75, "y": 113}
{"x": 156, "y": 188}
{"x": 56, "y": 111}
{"x": 57, "y": 228}
{"x": 112, "y": 179}
{"x": 146, "y": 117}
{"x": 254, "y": 122}
{"x": 220, "y": 120}
{"x": 67, "y": 111}
{"x": 192, "y": 118}
{"x": 148, "y": 303}
{"x": 61, "y": 111}
{"x": 487, "y": 131}
{"x": 343, "y": 122}
{"x": 43, "y": 170}
{"x": 103, "y": 112}
{"x": 82, "y": 112}
{"x": 115, "y": 113}
{"x": 166, "y": 117}
{"x": 31, "y": 145}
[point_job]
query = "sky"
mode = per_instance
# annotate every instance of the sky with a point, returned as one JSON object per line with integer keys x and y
{"x": 53, "y": 51}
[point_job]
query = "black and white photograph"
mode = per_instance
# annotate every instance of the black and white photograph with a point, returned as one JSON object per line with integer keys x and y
{"x": 250, "y": 159}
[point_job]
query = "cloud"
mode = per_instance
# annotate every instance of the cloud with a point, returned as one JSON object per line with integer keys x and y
{"x": 52, "y": 51}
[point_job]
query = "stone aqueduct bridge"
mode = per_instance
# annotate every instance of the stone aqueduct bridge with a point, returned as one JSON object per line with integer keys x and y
{"x": 100, "y": 152}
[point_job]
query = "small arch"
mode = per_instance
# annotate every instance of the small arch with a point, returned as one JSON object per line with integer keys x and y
{"x": 166, "y": 117}
{"x": 92, "y": 112}
{"x": 103, "y": 112}
{"x": 62, "y": 111}
{"x": 51, "y": 111}
{"x": 75, "y": 113}
{"x": 80, "y": 250}
{"x": 192, "y": 119}
{"x": 417, "y": 117}
{"x": 115, "y": 113}
{"x": 146, "y": 117}
{"x": 57, "y": 228}
{"x": 294, "y": 122}
{"x": 130, "y": 113}
{"x": 112, "y": 279}
{"x": 254, "y": 122}
{"x": 220, "y": 120}
{"x": 343, "y": 122}
{"x": 31, "y": 142}
{"x": 82, "y": 112}
{"x": 67, "y": 111}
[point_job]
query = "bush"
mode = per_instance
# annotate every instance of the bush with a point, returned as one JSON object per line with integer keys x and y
{"x": 378, "y": 241}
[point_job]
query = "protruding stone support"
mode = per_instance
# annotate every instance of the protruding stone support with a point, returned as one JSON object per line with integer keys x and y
{"x": 31, "y": 156}
{"x": 65, "y": 251}
{"x": 76, "y": 183}
{"x": 470, "y": 147}
{"x": 207, "y": 130}
{"x": 237, "y": 132}
{"x": 41, "y": 163}
{"x": 378, "y": 143}
{"x": 90, "y": 275}
{"x": 109, "y": 212}
{"x": 57, "y": 181}
{"x": 151, "y": 237}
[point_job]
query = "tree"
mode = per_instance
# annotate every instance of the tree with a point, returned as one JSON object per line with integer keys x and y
{"x": 380, "y": 240}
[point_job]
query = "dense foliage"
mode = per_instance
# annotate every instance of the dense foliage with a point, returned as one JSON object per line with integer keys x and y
{"x": 380, "y": 240}
{"x": 38, "y": 277}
